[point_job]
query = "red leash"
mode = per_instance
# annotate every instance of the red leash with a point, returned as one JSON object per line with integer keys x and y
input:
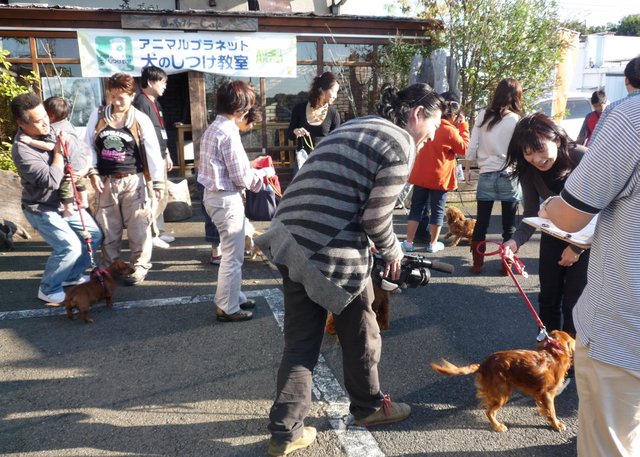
{"x": 520, "y": 269}
{"x": 69, "y": 170}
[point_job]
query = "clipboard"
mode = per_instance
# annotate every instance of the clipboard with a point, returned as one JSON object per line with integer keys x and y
{"x": 582, "y": 239}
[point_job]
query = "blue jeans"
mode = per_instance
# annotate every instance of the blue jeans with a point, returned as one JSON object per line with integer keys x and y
{"x": 69, "y": 258}
{"x": 428, "y": 201}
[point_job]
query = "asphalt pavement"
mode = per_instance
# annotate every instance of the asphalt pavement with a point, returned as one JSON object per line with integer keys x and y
{"x": 157, "y": 375}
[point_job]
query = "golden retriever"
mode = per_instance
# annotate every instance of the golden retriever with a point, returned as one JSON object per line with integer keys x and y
{"x": 538, "y": 373}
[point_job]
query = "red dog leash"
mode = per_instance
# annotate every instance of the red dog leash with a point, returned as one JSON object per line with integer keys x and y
{"x": 520, "y": 269}
{"x": 68, "y": 170}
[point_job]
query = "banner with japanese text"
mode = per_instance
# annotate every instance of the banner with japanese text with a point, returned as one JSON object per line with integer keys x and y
{"x": 105, "y": 52}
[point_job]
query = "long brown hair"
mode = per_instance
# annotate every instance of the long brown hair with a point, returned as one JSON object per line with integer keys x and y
{"x": 507, "y": 97}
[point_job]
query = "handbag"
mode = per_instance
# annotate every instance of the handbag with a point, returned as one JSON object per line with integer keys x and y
{"x": 262, "y": 205}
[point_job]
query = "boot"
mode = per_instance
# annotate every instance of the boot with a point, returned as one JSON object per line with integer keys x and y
{"x": 503, "y": 269}
{"x": 478, "y": 259}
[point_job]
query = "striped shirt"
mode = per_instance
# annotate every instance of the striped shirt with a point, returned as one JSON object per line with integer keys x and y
{"x": 607, "y": 316}
{"x": 224, "y": 164}
{"x": 611, "y": 107}
{"x": 342, "y": 198}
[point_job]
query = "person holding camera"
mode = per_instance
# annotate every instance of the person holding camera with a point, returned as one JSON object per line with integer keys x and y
{"x": 338, "y": 205}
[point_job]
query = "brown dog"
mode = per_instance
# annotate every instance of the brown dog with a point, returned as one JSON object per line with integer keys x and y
{"x": 537, "y": 373}
{"x": 84, "y": 295}
{"x": 250, "y": 247}
{"x": 380, "y": 306}
{"x": 459, "y": 226}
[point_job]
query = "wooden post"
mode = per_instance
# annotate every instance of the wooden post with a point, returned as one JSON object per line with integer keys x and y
{"x": 198, "y": 104}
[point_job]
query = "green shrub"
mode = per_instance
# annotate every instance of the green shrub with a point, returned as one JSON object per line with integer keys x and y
{"x": 11, "y": 85}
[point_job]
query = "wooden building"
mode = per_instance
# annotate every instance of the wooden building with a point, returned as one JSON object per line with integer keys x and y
{"x": 44, "y": 39}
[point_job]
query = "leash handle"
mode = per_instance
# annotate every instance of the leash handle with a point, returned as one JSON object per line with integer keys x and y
{"x": 518, "y": 264}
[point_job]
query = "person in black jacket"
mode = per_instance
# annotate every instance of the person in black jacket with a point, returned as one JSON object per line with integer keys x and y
{"x": 542, "y": 158}
{"x": 315, "y": 117}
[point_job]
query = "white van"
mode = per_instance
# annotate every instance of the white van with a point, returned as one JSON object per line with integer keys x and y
{"x": 578, "y": 106}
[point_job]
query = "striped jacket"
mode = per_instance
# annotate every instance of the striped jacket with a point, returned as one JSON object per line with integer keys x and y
{"x": 340, "y": 203}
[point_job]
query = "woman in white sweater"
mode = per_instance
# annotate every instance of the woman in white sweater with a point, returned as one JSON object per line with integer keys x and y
{"x": 489, "y": 143}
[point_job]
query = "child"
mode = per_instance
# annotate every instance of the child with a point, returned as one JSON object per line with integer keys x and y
{"x": 434, "y": 174}
{"x": 599, "y": 103}
{"x": 58, "y": 109}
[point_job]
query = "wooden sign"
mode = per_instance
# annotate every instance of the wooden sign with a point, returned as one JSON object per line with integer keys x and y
{"x": 182, "y": 22}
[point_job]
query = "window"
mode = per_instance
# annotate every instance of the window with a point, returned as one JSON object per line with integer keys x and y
{"x": 57, "y": 62}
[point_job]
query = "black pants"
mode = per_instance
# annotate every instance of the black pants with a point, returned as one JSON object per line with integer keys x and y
{"x": 304, "y": 322}
{"x": 509, "y": 211}
{"x": 560, "y": 287}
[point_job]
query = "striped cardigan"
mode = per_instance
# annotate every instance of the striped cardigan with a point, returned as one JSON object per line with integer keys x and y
{"x": 340, "y": 203}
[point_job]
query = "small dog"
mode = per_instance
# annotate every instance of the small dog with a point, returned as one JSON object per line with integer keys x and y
{"x": 84, "y": 295}
{"x": 459, "y": 226}
{"x": 250, "y": 247}
{"x": 380, "y": 306}
{"x": 537, "y": 373}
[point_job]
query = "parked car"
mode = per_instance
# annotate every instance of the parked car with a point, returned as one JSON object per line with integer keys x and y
{"x": 578, "y": 106}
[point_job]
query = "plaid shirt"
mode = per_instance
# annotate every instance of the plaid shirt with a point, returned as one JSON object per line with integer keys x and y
{"x": 224, "y": 164}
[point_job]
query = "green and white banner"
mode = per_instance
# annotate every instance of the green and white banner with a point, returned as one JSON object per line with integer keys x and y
{"x": 105, "y": 52}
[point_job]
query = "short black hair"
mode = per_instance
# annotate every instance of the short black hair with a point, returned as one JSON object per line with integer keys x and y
{"x": 23, "y": 103}
{"x": 57, "y": 108}
{"x": 599, "y": 97}
{"x": 631, "y": 72}
{"x": 152, "y": 74}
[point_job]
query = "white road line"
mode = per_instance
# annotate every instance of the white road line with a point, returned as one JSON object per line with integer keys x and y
{"x": 356, "y": 441}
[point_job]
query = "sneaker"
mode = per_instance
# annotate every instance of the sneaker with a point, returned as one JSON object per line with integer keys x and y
{"x": 249, "y": 304}
{"x": 215, "y": 260}
{"x": 437, "y": 246}
{"x": 389, "y": 412}
{"x": 80, "y": 280}
{"x": 158, "y": 243}
{"x": 167, "y": 238}
{"x": 136, "y": 278}
{"x": 51, "y": 298}
{"x": 408, "y": 247}
{"x": 239, "y": 316}
{"x": 308, "y": 437}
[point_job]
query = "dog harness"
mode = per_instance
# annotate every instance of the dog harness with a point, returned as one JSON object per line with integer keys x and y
{"x": 98, "y": 273}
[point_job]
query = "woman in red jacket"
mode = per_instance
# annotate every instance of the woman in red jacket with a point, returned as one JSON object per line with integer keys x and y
{"x": 434, "y": 174}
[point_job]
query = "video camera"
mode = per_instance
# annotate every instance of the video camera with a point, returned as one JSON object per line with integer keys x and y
{"x": 414, "y": 271}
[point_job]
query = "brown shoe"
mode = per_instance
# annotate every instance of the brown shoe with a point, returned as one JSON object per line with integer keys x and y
{"x": 308, "y": 437}
{"x": 389, "y": 412}
{"x": 235, "y": 317}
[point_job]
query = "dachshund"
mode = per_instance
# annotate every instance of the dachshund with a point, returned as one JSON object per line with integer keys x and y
{"x": 538, "y": 373}
{"x": 100, "y": 286}
{"x": 459, "y": 226}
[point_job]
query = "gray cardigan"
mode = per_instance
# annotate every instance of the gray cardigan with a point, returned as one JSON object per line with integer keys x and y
{"x": 340, "y": 203}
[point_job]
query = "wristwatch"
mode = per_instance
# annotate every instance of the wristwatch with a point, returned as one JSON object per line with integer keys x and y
{"x": 543, "y": 206}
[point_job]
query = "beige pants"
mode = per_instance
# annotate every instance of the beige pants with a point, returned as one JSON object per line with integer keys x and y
{"x": 227, "y": 212}
{"x": 124, "y": 204}
{"x": 609, "y": 409}
{"x": 158, "y": 207}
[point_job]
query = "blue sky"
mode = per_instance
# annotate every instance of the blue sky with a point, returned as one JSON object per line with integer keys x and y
{"x": 594, "y": 12}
